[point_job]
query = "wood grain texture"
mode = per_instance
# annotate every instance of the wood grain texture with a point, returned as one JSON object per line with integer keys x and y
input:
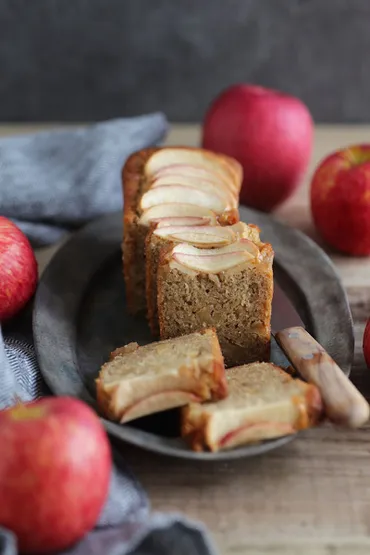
{"x": 344, "y": 404}
{"x": 313, "y": 496}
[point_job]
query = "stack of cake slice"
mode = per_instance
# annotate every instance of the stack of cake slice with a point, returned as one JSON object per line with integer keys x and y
{"x": 220, "y": 410}
{"x": 172, "y": 182}
{"x": 187, "y": 260}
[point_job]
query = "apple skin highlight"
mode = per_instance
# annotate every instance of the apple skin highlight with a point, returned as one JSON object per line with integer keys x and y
{"x": 18, "y": 270}
{"x": 54, "y": 472}
{"x": 340, "y": 200}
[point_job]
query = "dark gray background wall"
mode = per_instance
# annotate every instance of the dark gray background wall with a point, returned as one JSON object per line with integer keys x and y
{"x": 95, "y": 59}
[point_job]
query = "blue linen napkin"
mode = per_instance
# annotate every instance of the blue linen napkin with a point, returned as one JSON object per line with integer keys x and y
{"x": 55, "y": 181}
{"x": 51, "y": 183}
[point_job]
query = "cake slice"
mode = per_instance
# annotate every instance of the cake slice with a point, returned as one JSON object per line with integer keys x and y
{"x": 201, "y": 235}
{"x": 138, "y": 381}
{"x": 229, "y": 288}
{"x": 264, "y": 402}
{"x": 172, "y": 182}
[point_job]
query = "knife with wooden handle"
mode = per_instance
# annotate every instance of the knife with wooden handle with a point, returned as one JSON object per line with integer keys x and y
{"x": 344, "y": 404}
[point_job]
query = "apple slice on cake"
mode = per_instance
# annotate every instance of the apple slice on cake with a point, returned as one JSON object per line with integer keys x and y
{"x": 161, "y": 212}
{"x": 227, "y": 169}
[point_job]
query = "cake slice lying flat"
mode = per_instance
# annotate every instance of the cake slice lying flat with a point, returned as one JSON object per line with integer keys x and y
{"x": 138, "y": 381}
{"x": 200, "y": 234}
{"x": 228, "y": 288}
{"x": 172, "y": 182}
{"x": 264, "y": 402}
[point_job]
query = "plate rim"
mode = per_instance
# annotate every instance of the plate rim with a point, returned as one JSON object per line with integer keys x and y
{"x": 103, "y": 228}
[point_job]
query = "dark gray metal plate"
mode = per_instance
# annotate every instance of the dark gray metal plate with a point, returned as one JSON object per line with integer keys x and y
{"x": 80, "y": 317}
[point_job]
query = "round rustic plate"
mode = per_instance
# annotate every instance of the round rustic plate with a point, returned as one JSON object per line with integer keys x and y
{"x": 80, "y": 317}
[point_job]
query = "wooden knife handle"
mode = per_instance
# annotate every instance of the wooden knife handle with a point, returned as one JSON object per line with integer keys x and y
{"x": 343, "y": 403}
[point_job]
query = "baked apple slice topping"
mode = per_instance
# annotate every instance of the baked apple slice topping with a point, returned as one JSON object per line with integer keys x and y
{"x": 214, "y": 260}
{"x": 158, "y": 402}
{"x": 209, "y": 236}
{"x": 209, "y": 186}
{"x": 161, "y": 212}
{"x": 193, "y": 157}
{"x": 248, "y": 246}
{"x": 196, "y": 174}
{"x": 182, "y": 194}
{"x": 193, "y": 221}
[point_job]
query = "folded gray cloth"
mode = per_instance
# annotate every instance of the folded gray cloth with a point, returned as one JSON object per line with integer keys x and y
{"x": 56, "y": 181}
{"x": 50, "y": 183}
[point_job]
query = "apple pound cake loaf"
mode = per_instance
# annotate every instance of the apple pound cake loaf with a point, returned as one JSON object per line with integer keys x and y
{"x": 229, "y": 288}
{"x": 138, "y": 381}
{"x": 199, "y": 234}
{"x": 174, "y": 182}
{"x": 264, "y": 402}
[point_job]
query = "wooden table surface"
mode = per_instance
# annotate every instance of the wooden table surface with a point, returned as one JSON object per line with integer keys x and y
{"x": 310, "y": 497}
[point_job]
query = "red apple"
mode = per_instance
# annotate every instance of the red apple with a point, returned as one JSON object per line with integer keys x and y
{"x": 269, "y": 133}
{"x": 340, "y": 200}
{"x": 55, "y": 469}
{"x": 366, "y": 343}
{"x": 18, "y": 269}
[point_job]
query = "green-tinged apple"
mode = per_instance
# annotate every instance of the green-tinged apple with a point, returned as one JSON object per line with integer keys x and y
{"x": 269, "y": 133}
{"x": 18, "y": 269}
{"x": 366, "y": 343}
{"x": 55, "y": 468}
{"x": 340, "y": 200}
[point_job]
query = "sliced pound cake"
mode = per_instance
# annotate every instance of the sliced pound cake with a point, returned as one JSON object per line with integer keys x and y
{"x": 172, "y": 182}
{"x": 199, "y": 234}
{"x": 228, "y": 288}
{"x": 138, "y": 381}
{"x": 264, "y": 402}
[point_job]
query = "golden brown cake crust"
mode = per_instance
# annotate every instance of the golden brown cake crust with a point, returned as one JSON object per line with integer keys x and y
{"x": 132, "y": 181}
{"x": 133, "y": 246}
{"x": 150, "y": 281}
{"x": 208, "y": 384}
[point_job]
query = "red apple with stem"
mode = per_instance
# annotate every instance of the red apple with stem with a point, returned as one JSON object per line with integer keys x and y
{"x": 55, "y": 469}
{"x": 269, "y": 133}
{"x": 18, "y": 269}
{"x": 340, "y": 200}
